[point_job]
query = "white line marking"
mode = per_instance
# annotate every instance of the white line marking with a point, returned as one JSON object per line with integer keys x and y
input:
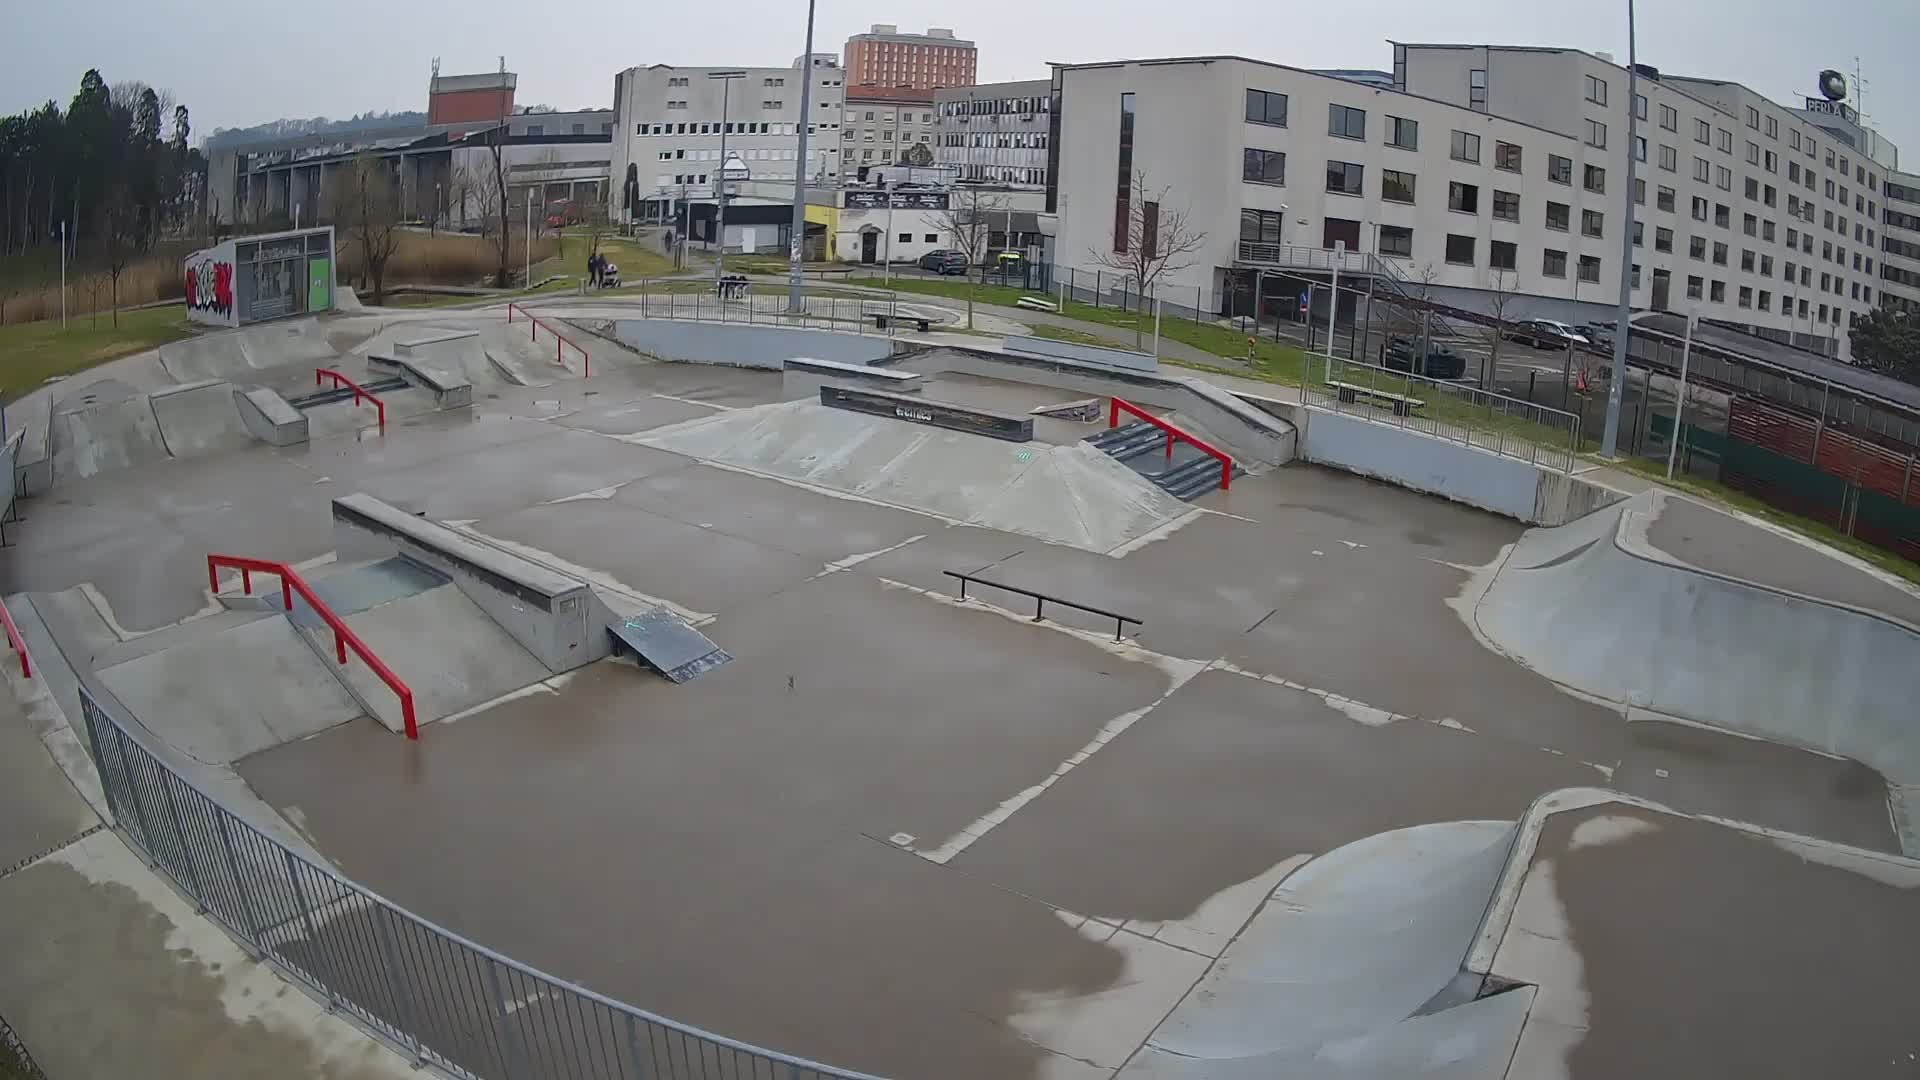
{"x": 691, "y": 401}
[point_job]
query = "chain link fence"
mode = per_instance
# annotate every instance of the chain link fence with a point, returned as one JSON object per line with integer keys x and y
{"x": 1449, "y": 410}
{"x": 443, "y": 1000}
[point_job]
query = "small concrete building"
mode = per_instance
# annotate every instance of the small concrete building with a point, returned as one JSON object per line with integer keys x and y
{"x": 251, "y": 279}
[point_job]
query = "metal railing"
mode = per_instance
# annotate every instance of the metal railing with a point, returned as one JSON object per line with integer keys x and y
{"x": 14, "y": 640}
{"x": 560, "y": 341}
{"x": 1173, "y": 434}
{"x": 321, "y": 375}
{"x": 1041, "y": 600}
{"x": 766, "y": 305}
{"x": 440, "y": 998}
{"x": 1496, "y": 423}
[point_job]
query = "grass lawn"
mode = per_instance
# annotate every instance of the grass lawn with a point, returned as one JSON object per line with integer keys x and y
{"x": 1714, "y": 491}
{"x": 635, "y": 262}
{"x": 1068, "y": 333}
{"x": 31, "y": 353}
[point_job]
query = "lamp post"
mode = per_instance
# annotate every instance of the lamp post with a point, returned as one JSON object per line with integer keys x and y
{"x": 725, "y": 78}
{"x": 797, "y": 240}
{"x": 1623, "y": 320}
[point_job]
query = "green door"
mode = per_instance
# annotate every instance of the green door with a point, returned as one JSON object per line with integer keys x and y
{"x": 319, "y": 284}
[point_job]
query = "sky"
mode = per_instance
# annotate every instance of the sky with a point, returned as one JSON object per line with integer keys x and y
{"x": 236, "y": 64}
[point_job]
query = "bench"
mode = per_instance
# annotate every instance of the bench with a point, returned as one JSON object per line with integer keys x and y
{"x": 1401, "y": 403}
{"x": 1034, "y": 303}
{"x": 880, "y": 320}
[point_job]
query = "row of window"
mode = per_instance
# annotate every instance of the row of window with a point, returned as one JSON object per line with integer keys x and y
{"x": 730, "y": 128}
{"x": 997, "y": 106}
{"x": 1011, "y": 140}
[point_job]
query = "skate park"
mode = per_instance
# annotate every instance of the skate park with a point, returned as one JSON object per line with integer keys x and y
{"x": 1298, "y": 772}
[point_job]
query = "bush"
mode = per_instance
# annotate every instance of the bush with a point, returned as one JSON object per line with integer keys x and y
{"x": 157, "y": 277}
{"x": 443, "y": 259}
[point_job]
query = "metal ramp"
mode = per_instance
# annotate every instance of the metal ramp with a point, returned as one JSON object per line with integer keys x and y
{"x": 664, "y": 642}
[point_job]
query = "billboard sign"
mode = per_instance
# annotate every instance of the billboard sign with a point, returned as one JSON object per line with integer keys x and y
{"x": 900, "y": 200}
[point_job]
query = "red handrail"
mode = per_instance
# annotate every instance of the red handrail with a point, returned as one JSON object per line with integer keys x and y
{"x": 1173, "y": 433}
{"x": 19, "y": 643}
{"x": 559, "y": 339}
{"x": 343, "y": 638}
{"x": 320, "y": 375}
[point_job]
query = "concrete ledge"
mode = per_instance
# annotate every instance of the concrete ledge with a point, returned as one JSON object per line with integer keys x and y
{"x": 1086, "y": 354}
{"x": 421, "y": 346}
{"x": 550, "y": 614}
{"x": 804, "y": 376}
{"x": 973, "y": 421}
{"x": 450, "y": 389}
{"x": 745, "y": 345}
{"x": 269, "y": 418}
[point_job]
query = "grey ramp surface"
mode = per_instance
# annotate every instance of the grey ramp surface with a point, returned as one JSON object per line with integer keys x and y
{"x": 1579, "y": 608}
{"x": 104, "y": 427}
{"x": 222, "y": 696}
{"x": 1347, "y": 948}
{"x": 39, "y": 808}
{"x": 442, "y": 646}
{"x": 200, "y": 418}
{"x": 667, "y": 644}
{"x": 1064, "y": 494}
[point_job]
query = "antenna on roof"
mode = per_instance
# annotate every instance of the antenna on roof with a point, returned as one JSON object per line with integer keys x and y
{"x": 503, "y": 65}
{"x": 1859, "y": 92}
{"x": 436, "y": 67}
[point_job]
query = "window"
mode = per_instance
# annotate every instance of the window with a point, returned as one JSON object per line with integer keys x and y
{"x": 1753, "y": 189}
{"x": 1766, "y": 298}
{"x": 1506, "y": 205}
{"x": 1772, "y": 197}
{"x": 1396, "y": 240}
{"x": 1719, "y": 253}
{"x": 1553, "y": 263}
{"x": 1403, "y": 133}
{"x": 1793, "y": 172}
{"x": 1663, "y": 240}
{"x": 1596, "y": 134}
{"x": 1261, "y": 226}
{"x": 1345, "y": 178}
{"x": 1767, "y": 231}
{"x": 1669, "y": 158}
{"x": 1788, "y": 275}
{"x": 1773, "y": 162}
{"x": 1746, "y": 296}
{"x": 1664, "y": 199}
{"x": 1503, "y": 255}
{"x": 1595, "y": 179}
{"x": 1263, "y": 166}
{"x": 1722, "y": 215}
{"x": 1266, "y": 108}
{"x": 1669, "y": 118}
{"x": 1795, "y": 138}
{"x": 1559, "y": 169}
{"x": 1718, "y": 292}
{"x": 1558, "y": 215}
{"x": 1463, "y": 198}
{"x": 1466, "y": 147}
{"x": 932, "y": 238}
{"x": 1590, "y": 268}
{"x": 1636, "y": 275}
{"x": 1596, "y": 90}
{"x": 1123, "y": 191}
{"x": 1753, "y": 153}
{"x": 1723, "y": 178}
{"x": 1639, "y": 192}
{"x": 1396, "y": 186}
{"x": 1725, "y": 139}
{"x": 906, "y": 238}
{"x": 1592, "y": 223}
{"x": 1700, "y": 208}
{"x": 1753, "y": 118}
{"x": 1773, "y": 128}
{"x": 1507, "y": 156}
{"x": 1746, "y": 260}
{"x": 1702, "y": 170}
{"x": 1639, "y": 148}
{"x": 1460, "y": 249}
{"x": 1476, "y": 89}
{"x": 1703, "y": 132}
{"x": 1639, "y": 234}
{"x": 1697, "y": 248}
{"x": 1696, "y": 288}
{"x": 1766, "y": 266}
{"x": 1640, "y": 106}
{"x": 1750, "y": 225}
{"x": 1346, "y": 123}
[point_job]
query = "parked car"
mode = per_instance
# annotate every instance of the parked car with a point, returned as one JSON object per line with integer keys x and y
{"x": 944, "y": 261}
{"x": 1441, "y": 362}
{"x": 1545, "y": 334}
{"x": 1600, "y": 333}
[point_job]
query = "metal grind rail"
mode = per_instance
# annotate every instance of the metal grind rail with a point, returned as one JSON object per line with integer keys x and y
{"x": 560, "y": 341}
{"x": 1041, "y": 600}
{"x": 1173, "y": 434}
{"x": 18, "y": 643}
{"x": 343, "y": 638}
{"x": 320, "y": 375}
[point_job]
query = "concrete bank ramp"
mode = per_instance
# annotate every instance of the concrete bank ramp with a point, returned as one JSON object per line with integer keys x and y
{"x": 109, "y": 426}
{"x": 237, "y": 354}
{"x": 200, "y": 418}
{"x": 1344, "y": 971}
{"x": 1591, "y": 606}
{"x": 1063, "y": 494}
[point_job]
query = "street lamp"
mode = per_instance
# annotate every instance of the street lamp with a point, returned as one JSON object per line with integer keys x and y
{"x": 725, "y": 79}
{"x": 797, "y": 240}
{"x": 1623, "y": 321}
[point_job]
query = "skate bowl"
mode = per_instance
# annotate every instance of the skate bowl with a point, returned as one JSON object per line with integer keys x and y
{"x": 1592, "y": 607}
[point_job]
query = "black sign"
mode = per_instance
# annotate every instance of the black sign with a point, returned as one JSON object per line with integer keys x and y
{"x": 901, "y": 200}
{"x": 936, "y": 413}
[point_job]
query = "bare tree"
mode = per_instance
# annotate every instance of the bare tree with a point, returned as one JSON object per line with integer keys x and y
{"x": 121, "y": 232}
{"x": 1499, "y": 298}
{"x": 968, "y": 221}
{"x": 365, "y": 206}
{"x": 494, "y": 178}
{"x": 1158, "y": 238}
{"x": 92, "y": 286}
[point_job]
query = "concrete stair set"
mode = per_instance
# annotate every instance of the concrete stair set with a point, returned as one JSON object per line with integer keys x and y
{"x": 1187, "y": 475}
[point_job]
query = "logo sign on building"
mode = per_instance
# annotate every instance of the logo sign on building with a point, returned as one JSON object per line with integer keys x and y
{"x": 1833, "y": 108}
{"x": 900, "y": 200}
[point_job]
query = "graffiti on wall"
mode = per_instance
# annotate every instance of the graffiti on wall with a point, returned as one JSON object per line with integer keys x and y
{"x": 210, "y": 287}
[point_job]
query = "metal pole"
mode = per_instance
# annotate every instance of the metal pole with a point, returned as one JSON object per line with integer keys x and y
{"x": 1610, "y": 437}
{"x": 794, "y": 302}
{"x": 528, "y": 284}
{"x": 1680, "y": 405}
{"x": 886, "y": 268}
{"x": 1333, "y": 295}
{"x": 1259, "y": 280}
{"x": 1156, "y": 325}
{"x": 63, "y": 275}
{"x": 720, "y": 187}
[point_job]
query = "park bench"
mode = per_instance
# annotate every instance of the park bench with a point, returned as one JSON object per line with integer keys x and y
{"x": 1352, "y": 392}
{"x": 1034, "y": 303}
{"x": 880, "y": 320}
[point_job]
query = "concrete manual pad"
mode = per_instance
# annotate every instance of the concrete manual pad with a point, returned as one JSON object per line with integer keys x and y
{"x": 1064, "y": 494}
{"x": 39, "y": 808}
{"x": 200, "y": 418}
{"x": 223, "y": 696}
{"x": 447, "y": 651}
{"x": 778, "y": 515}
{"x": 556, "y": 465}
{"x": 639, "y": 414}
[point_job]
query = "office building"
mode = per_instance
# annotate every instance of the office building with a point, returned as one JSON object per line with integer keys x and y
{"x": 1900, "y": 244}
{"x": 883, "y": 125}
{"x": 1485, "y": 170}
{"x": 883, "y": 56}
{"x": 995, "y": 133}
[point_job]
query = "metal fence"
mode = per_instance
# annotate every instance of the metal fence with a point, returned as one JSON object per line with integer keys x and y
{"x": 1507, "y": 426}
{"x": 440, "y": 998}
{"x": 825, "y": 308}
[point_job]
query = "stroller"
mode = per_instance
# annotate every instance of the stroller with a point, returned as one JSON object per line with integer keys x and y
{"x": 609, "y": 274}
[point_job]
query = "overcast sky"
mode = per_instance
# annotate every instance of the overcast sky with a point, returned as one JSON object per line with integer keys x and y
{"x": 237, "y": 63}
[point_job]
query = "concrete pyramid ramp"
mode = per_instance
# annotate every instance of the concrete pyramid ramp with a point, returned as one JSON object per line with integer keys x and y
{"x": 200, "y": 418}
{"x": 1592, "y": 606}
{"x": 1063, "y": 494}
{"x": 1338, "y": 974}
{"x": 103, "y": 427}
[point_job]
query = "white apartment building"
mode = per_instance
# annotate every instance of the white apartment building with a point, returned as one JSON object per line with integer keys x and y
{"x": 995, "y": 133}
{"x": 668, "y": 127}
{"x": 1490, "y": 169}
{"x": 1900, "y": 243}
{"x": 882, "y": 126}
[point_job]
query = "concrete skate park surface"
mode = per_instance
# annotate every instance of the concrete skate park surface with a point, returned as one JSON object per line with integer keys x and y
{"x": 902, "y": 833}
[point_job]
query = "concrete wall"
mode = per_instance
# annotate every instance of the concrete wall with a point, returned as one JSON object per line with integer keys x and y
{"x": 1090, "y": 354}
{"x": 745, "y": 346}
{"x": 803, "y": 378}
